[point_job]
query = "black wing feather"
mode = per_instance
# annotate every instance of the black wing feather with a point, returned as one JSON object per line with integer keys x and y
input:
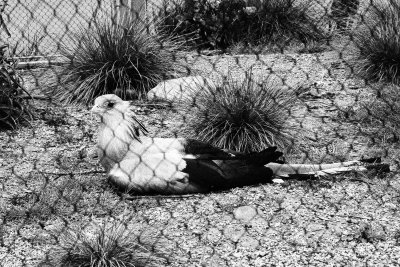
{"x": 206, "y": 151}
{"x": 216, "y": 169}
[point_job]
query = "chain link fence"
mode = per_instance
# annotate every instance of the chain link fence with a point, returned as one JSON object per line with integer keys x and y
{"x": 200, "y": 133}
{"x": 38, "y": 28}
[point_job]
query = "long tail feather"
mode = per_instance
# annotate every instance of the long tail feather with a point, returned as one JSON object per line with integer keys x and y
{"x": 287, "y": 170}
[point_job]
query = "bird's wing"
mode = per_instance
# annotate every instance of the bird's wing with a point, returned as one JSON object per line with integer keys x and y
{"x": 153, "y": 172}
{"x": 170, "y": 173}
{"x": 210, "y": 175}
{"x": 202, "y": 150}
{"x": 175, "y": 165}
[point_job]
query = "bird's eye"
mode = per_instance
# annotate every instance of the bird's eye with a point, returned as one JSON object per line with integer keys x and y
{"x": 110, "y": 104}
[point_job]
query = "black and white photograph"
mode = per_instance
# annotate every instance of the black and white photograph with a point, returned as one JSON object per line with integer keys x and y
{"x": 199, "y": 133}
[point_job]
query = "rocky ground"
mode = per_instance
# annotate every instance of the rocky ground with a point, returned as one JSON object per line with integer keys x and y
{"x": 50, "y": 181}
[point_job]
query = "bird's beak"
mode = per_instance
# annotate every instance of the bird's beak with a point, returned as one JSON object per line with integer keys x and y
{"x": 96, "y": 110}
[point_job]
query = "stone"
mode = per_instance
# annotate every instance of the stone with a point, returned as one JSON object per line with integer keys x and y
{"x": 176, "y": 90}
{"x": 245, "y": 213}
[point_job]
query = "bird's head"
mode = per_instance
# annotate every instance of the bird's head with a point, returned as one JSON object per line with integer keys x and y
{"x": 115, "y": 112}
{"x": 110, "y": 108}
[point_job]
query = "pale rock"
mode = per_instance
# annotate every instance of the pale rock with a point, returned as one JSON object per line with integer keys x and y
{"x": 245, "y": 213}
{"x": 278, "y": 181}
{"x": 179, "y": 89}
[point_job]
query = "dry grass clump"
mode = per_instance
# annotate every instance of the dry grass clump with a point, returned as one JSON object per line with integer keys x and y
{"x": 14, "y": 109}
{"x": 378, "y": 40}
{"x": 123, "y": 57}
{"x": 243, "y": 116}
{"x": 110, "y": 245}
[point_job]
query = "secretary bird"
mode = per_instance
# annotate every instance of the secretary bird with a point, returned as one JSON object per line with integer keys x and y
{"x": 142, "y": 164}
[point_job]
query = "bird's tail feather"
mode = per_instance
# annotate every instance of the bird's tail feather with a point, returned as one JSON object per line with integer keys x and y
{"x": 288, "y": 170}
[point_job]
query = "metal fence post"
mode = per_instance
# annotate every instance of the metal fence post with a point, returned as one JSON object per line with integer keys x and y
{"x": 136, "y": 7}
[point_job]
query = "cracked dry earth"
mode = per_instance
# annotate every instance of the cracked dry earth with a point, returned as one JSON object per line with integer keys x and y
{"x": 344, "y": 220}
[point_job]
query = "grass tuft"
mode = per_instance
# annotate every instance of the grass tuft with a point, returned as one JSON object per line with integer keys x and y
{"x": 111, "y": 245}
{"x": 14, "y": 109}
{"x": 243, "y": 116}
{"x": 379, "y": 43}
{"x": 125, "y": 58}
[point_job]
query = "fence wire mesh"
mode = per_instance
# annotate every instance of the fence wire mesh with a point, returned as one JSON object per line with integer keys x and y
{"x": 199, "y": 133}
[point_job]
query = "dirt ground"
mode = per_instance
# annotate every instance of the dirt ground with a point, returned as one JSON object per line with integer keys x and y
{"x": 50, "y": 182}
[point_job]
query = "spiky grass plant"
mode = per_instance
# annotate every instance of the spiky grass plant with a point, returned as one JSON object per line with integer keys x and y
{"x": 124, "y": 57}
{"x": 378, "y": 41}
{"x": 243, "y": 115}
{"x": 14, "y": 109}
{"x": 111, "y": 245}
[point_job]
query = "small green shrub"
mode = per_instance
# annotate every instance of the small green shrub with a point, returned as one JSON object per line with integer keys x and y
{"x": 378, "y": 41}
{"x": 221, "y": 24}
{"x": 14, "y": 109}
{"x": 111, "y": 245}
{"x": 281, "y": 20}
{"x": 194, "y": 20}
{"x": 125, "y": 58}
{"x": 243, "y": 116}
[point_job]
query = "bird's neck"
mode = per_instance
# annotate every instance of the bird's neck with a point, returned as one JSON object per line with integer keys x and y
{"x": 114, "y": 142}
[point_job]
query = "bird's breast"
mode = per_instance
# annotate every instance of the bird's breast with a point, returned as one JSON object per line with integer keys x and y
{"x": 112, "y": 147}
